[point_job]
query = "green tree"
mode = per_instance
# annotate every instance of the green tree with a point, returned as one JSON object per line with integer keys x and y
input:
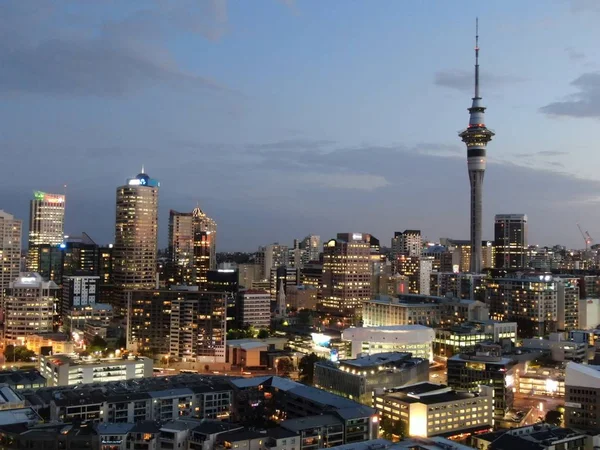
{"x": 98, "y": 344}
{"x": 285, "y": 366}
{"x": 392, "y": 429}
{"x": 19, "y": 353}
{"x": 263, "y": 333}
{"x": 307, "y": 367}
{"x": 554, "y": 417}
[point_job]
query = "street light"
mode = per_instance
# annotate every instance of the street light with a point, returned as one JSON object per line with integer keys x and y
{"x": 276, "y": 366}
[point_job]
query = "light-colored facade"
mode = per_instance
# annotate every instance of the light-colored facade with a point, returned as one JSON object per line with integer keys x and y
{"x": 29, "y": 307}
{"x": 272, "y": 256}
{"x": 415, "y": 339}
{"x": 136, "y": 234}
{"x": 346, "y": 273}
{"x": 407, "y": 242}
{"x": 582, "y": 388}
{"x": 255, "y": 308}
{"x": 427, "y": 409}
{"x": 46, "y": 224}
{"x": 10, "y": 250}
{"x": 59, "y": 342}
{"x": 78, "y": 299}
{"x": 62, "y": 370}
{"x": 589, "y": 313}
{"x": 562, "y": 349}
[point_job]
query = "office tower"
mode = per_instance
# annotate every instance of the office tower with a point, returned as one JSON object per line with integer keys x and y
{"x": 79, "y": 294}
{"x": 247, "y": 274}
{"x": 312, "y": 248}
{"x": 273, "y": 256}
{"x": 255, "y": 308}
{"x": 407, "y": 242}
{"x": 346, "y": 273}
{"x": 510, "y": 241}
{"x": 46, "y": 224}
{"x": 290, "y": 277}
{"x": 136, "y": 234}
{"x": 461, "y": 254}
{"x": 29, "y": 307}
{"x": 476, "y": 137}
{"x": 408, "y": 267}
{"x": 10, "y": 250}
{"x": 77, "y": 255}
{"x": 534, "y": 302}
{"x": 198, "y": 327}
{"x": 226, "y": 281}
{"x": 425, "y": 271}
{"x": 192, "y": 247}
{"x": 582, "y": 389}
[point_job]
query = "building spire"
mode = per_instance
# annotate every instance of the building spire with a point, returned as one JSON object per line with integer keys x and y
{"x": 143, "y": 169}
{"x": 477, "y": 58}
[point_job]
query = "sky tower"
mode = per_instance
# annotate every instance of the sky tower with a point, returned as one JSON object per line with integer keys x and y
{"x": 476, "y": 137}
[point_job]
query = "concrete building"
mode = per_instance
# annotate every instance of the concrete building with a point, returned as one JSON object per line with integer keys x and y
{"x": 253, "y": 352}
{"x": 468, "y": 372}
{"x": 534, "y": 303}
{"x": 543, "y": 380}
{"x": 408, "y": 243}
{"x": 78, "y": 293}
{"x": 409, "y": 309}
{"x": 560, "y": 347}
{"x": 346, "y": 273}
{"x": 63, "y": 370}
{"x": 10, "y": 250}
{"x": 414, "y": 339}
{"x": 20, "y": 380}
{"x": 510, "y": 241}
{"x": 582, "y": 388}
{"x": 46, "y": 224}
{"x": 136, "y": 234}
{"x": 541, "y": 436}
{"x": 248, "y": 273}
{"x": 272, "y": 256}
{"x": 50, "y": 343}
{"x": 428, "y": 409}
{"x": 29, "y": 307}
{"x": 358, "y": 378}
{"x": 466, "y": 336}
{"x": 588, "y": 310}
{"x": 198, "y": 327}
{"x": 302, "y": 297}
{"x": 467, "y": 286}
{"x": 255, "y": 308}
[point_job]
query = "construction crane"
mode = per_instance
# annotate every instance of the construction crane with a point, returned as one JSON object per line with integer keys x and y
{"x": 586, "y": 237}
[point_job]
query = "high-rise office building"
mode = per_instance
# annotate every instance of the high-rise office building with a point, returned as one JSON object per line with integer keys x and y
{"x": 10, "y": 250}
{"x": 346, "y": 273}
{"x": 136, "y": 234}
{"x": 407, "y": 242}
{"x": 46, "y": 224}
{"x": 77, "y": 255}
{"x": 272, "y": 256}
{"x": 192, "y": 247}
{"x": 476, "y": 137}
{"x": 29, "y": 307}
{"x": 510, "y": 241}
{"x": 312, "y": 248}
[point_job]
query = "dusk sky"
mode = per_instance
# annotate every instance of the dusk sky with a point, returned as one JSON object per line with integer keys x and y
{"x": 287, "y": 118}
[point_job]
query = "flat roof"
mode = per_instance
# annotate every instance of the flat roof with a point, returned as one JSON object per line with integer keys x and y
{"x": 376, "y": 359}
{"x": 62, "y": 359}
{"x": 302, "y": 423}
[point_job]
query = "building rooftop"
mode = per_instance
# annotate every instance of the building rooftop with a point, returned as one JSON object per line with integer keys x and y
{"x": 208, "y": 427}
{"x": 241, "y": 435}
{"x": 303, "y": 423}
{"x": 61, "y": 359}
{"x": 57, "y": 337}
{"x": 482, "y": 358}
{"x": 427, "y": 393}
{"x": 114, "y": 428}
{"x": 22, "y": 415}
{"x": 21, "y": 377}
{"x": 377, "y": 359}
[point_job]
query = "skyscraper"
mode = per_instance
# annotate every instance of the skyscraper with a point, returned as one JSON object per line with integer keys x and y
{"x": 136, "y": 234}
{"x": 46, "y": 224}
{"x": 510, "y": 241}
{"x": 192, "y": 247}
{"x": 407, "y": 242}
{"x": 476, "y": 137}
{"x": 346, "y": 273}
{"x": 10, "y": 250}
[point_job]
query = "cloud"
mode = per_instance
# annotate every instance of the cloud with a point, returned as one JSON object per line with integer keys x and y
{"x": 463, "y": 81}
{"x": 292, "y": 144}
{"x": 574, "y": 55}
{"x": 352, "y": 181}
{"x": 542, "y": 153}
{"x": 585, "y": 103}
{"x": 113, "y": 59}
{"x": 581, "y": 6}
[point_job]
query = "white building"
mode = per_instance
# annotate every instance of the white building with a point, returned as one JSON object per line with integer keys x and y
{"x": 255, "y": 308}
{"x": 29, "y": 307}
{"x": 62, "y": 370}
{"x": 10, "y": 250}
{"x": 562, "y": 349}
{"x": 415, "y": 339}
{"x": 589, "y": 313}
{"x": 425, "y": 270}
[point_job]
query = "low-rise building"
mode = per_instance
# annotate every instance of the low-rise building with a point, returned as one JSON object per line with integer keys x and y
{"x": 428, "y": 409}
{"x": 467, "y": 372}
{"x": 542, "y": 380}
{"x": 45, "y": 343}
{"x": 357, "y": 378}
{"x": 64, "y": 370}
{"x": 252, "y": 352}
{"x": 559, "y": 347}
{"x": 255, "y": 308}
{"x": 21, "y": 380}
{"x": 414, "y": 339}
{"x": 466, "y": 336}
{"x": 582, "y": 393}
{"x": 541, "y": 436}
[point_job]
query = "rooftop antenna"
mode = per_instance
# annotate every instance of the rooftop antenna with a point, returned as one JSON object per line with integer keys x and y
{"x": 143, "y": 169}
{"x": 477, "y": 57}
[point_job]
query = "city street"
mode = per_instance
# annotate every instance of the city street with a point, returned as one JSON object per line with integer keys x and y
{"x": 541, "y": 403}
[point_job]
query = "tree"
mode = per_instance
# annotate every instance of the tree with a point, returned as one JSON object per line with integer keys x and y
{"x": 19, "y": 353}
{"x": 554, "y": 417}
{"x": 307, "y": 367}
{"x": 263, "y": 333}
{"x": 285, "y": 366}
{"x": 392, "y": 429}
{"x": 98, "y": 344}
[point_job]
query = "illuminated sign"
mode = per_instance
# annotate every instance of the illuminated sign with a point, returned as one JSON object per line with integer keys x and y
{"x": 50, "y": 198}
{"x": 134, "y": 182}
{"x": 27, "y": 280}
{"x": 320, "y": 339}
{"x": 357, "y": 236}
{"x": 334, "y": 355}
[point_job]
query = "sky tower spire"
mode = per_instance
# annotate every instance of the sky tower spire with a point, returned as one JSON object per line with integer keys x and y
{"x": 476, "y": 137}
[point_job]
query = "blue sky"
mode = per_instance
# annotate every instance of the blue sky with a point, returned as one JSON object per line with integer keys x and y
{"x": 284, "y": 118}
